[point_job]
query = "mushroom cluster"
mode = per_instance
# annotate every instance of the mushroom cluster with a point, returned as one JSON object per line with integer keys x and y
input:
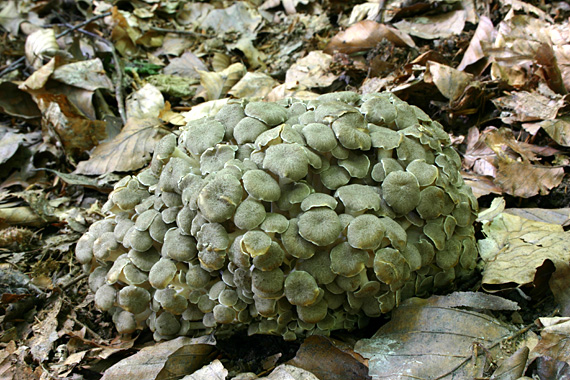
{"x": 291, "y": 218}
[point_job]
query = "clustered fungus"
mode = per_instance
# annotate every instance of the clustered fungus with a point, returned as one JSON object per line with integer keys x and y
{"x": 289, "y": 218}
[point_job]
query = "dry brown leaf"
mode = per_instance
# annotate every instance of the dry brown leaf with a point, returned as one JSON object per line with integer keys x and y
{"x": 559, "y": 216}
{"x": 253, "y": 85}
{"x": 240, "y": 17}
{"x": 63, "y": 122}
{"x": 186, "y": 65}
{"x": 479, "y": 156}
{"x": 449, "y": 81}
{"x": 558, "y": 129}
{"x": 513, "y": 367}
{"x": 163, "y": 361}
{"x": 217, "y": 84}
{"x": 89, "y": 75}
{"x": 481, "y": 185}
{"x": 516, "y": 247}
{"x": 130, "y": 150}
{"x": 434, "y": 337}
{"x": 16, "y": 102}
{"x": 437, "y": 26}
{"x": 45, "y": 331}
{"x": 555, "y": 335}
{"x": 213, "y": 371}
{"x": 146, "y": 102}
{"x": 524, "y": 106}
{"x": 483, "y": 35}
{"x": 310, "y": 71}
{"x": 365, "y": 35}
{"x": 322, "y": 357}
{"x": 523, "y": 179}
{"x": 288, "y": 372}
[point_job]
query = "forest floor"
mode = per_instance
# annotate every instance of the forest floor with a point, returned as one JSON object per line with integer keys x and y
{"x": 89, "y": 86}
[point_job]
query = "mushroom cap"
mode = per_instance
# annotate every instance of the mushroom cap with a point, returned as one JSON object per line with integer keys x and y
{"x": 301, "y": 289}
{"x": 84, "y": 248}
{"x": 365, "y": 232}
{"x": 318, "y": 200}
{"x": 248, "y": 129}
{"x": 357, "y": 198}
{"x": 271, "y": 259}
{"x": 167, "y": 324}
{"x": 321, "y": 226}
{"x": 224, "y": 314}
{"x": 334, "y": 177}
{"x": 294, "y": 244}
{"x": 125, "y": 322}
{"x": 271, "y": 114}
{"x": 144, "y": 260}
{"x": 177, "y": 246}
{"x": 134, "y": 299}
{"x": 105, "y": 297}
{"x": 255, "y": 243}
{"x": 313, "y": 313}
{"x": 432, "y": 200}
{"x": 249, "y": 214}
{"x": 357, "y": 165}
{"x": 347, "y": 261}
{"x": 214, "y": 159}
{"x": 220, "y": 197}
{"x": 425, "y": 173}
{"x": 274, "y": 223}
{"x": 320, "y": 137}
{"x": 287, "y": 161}
{"x": 401, "y": 191}
{"x": 318, "y": 266}
{"x": 202, "y": 134}
{"x": 162, "y": 273}
{"x": 229, "y": 115}
{"x": 267, "y": 283}
{"x": 261, "y": 185}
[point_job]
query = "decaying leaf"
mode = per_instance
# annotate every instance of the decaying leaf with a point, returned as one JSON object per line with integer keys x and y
{"x": 435, "y": 337}
{"x": 217, "y": 84}
{"x": 449, "y": 81}
{"x": 41, "y": 45}
{"x": 516, "y": 247}
{"x": 253, "y": 85}
{"x": 483, "y": 35}
{"x": 442, "y": 25}
{"x": 89, "y": 75}
{"x": 213, "y": 371}
{"x": 45, "y": 333}
{"x": 146, "y": 102}
{"x": 524, "y": 106}
{"x": 322, "y": 357}
{"x": 365, "y": 35}
{"x": 16, "y": 102}
{"x": 310, "y": 71}
{"x": 558, "y": 129}
{"x": 523, "y": 179}
{"x": 130, "y": 150}
{"x": 554, "y": 343}
{"x": 163, "y": 361}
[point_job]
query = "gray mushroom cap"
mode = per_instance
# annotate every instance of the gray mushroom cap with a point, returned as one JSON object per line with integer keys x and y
{"x": 220, "y": 197}
{"x": 301, "y": 289}
{"x": 287, "y": 161}
{"x": 401, "y": 191}
{"x": 321, "y": 226}
{"x": 261, "y": 186}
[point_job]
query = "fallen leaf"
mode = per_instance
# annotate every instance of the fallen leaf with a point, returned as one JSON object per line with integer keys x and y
{"x": 442, "y": 25}
{"x": 523, "y": 179}
{"x": 186, "y": 65}
{"x": 253, "y": 85}
{"x": 449, "y": 81}
{"x": 524, "y": 106}
{"x": 559, "y": 216}
{"x": 163, "y": 361}
{"x": 217, "y": 84}
{"x": 16, "y": 102}
{"x": 289, "y": 372}
{"x": 554, "y": 343}
{"x": 89, "y": 75}
{"x": 483, "y": 35}
{"x": 558, "y": 129}
{"x": 45, "y": 332}
{"x": 435, "y": 337}
{"x": 310, "y": 71}
{"x": 365, "y": 35}
{"x": 513, "y": 367}
{"x": 239, "y": 17}
{"x": 515, "y": 247}
{"x": 213, "y": 371}
{"x": 130, "y": 150}
{"x": 146, "y": 102}
{"x": 321, "y": 356}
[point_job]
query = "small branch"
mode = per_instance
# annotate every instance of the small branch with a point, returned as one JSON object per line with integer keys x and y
{"x": 185, "y": 32}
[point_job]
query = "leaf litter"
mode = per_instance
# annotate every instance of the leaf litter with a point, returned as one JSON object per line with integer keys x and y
{"x": 85, "y": 95}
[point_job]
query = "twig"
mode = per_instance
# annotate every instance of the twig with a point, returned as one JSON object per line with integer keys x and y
{"x": 19, "y": 62}
{"x": 73, "y": 281}
{"x": 186, "y": 32}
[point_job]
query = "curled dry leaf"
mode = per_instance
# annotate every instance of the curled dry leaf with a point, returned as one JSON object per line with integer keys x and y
{"x": 89, "y": 75}
{"x": 365, "y": 35}
{"x": 516, "y": 247}
{"x": 40, "y": 45}
{"x": 217, "y": 84}
{"x": 146, "y": 102}
{"x": 524, "y": 106}
{"x": 253, "y": 85}
{"x": 483, "y": 35}
{"x": 130, "y": 150}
